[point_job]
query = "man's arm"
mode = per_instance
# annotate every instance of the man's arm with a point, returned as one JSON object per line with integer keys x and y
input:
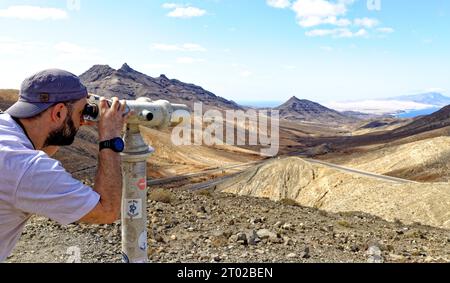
{"x": 108, "y": 182}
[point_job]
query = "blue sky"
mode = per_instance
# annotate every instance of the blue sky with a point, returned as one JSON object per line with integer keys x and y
{"x": 252, "y": 50}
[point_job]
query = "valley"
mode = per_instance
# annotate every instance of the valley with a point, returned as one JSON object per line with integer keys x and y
{"x": 343, "y": 181}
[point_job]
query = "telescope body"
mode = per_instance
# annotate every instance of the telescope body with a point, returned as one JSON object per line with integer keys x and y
{"x": 158, "y": 114}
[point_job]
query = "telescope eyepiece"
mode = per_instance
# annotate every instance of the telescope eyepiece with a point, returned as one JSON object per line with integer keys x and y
{"x": 90, "y": 112}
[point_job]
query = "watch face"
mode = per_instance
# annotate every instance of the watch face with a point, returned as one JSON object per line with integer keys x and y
{"x": 119, "y": 144}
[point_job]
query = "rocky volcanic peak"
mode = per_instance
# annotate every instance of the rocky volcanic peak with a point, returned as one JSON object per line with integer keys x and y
{"x": 127, "y": 83}
{"x": 300, "y": 109}
{"x": 302, "y": 105}
{"x": 97, "y": 72}
{"x": 126, "y": 69}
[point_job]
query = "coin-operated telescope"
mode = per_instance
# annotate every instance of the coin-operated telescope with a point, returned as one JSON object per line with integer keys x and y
{"x": 159, "y": 114}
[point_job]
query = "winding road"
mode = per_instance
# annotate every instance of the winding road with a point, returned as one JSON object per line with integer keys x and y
{"x": 240, "y": 168}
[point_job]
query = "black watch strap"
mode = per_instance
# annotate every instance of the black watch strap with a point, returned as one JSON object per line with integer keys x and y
{"x": 110, "y": 144}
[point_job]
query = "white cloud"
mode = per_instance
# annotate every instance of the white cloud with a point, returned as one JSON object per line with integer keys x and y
{"x": 315, "y": 21}
{"x": 316, "y": 12}
{"x": 280, "y": 4}
{"x": 171, "y": 5}
{"x": 187, "y": 47}
{"x": 189, "y": 60}
{"x": 337, "y": 33}
{"x": 186, "y": 12}
{"x": 360, "y": 33}
{"x": 192, "y": 47}
{"x": 24, "y": 12}
{"x": 367, "y": 22}
{"x": 385, "y": 30}
{"x": 321, "y": 32}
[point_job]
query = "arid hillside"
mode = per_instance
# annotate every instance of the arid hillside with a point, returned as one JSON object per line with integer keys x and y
{"x": 423, "y": 161}
{"x": 333, "y": 190}
{"x": 434, "y": 125}
{"x": 7, "y": 98}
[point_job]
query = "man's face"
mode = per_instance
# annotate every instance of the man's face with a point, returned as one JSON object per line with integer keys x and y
{"x": 65, "y": 135}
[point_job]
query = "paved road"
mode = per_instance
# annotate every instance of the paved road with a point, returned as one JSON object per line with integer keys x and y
{"x": 359, "y": 172}
{"x": 216, "y": 181}
{"x": 211, "y": 171}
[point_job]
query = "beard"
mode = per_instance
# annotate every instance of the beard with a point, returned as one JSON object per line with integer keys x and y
{"x": 63, "y": 136}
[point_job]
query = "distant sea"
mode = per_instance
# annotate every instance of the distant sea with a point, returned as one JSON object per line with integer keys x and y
{"x": 416, "y": 113}
{"x": 260, "y": 104}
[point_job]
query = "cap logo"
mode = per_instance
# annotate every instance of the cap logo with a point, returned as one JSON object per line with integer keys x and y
{"x": 44, "y": 97}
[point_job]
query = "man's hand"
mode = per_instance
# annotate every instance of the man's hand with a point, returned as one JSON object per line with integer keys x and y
{"x": 108, "y": 182}
{"x": 111, "y": 119}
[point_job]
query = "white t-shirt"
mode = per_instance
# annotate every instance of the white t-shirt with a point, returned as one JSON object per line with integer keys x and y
{"x": 33, "y": 183}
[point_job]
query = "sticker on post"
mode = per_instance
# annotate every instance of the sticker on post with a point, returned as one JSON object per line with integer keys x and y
{"x": 125, "y": 258}
{"x": 139, "y": 184}
{"x": 143, "y": 241}
{"x": 133, "y": 208}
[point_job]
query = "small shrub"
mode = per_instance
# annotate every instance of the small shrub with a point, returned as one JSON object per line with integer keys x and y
{"x": 206, "y": 193}
{"x": 161, "y": 195}
{"x": 290, "y": 202}
{"x": 344, "y": 223}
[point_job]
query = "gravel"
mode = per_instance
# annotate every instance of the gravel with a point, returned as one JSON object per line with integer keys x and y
{"x": 207, "y": 226}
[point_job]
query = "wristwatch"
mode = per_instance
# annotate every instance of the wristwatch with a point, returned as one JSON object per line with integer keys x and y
{"x": 116, "y": 144}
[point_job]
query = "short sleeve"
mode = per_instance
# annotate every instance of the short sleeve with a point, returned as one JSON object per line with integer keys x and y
{"x": 47, "y": 189}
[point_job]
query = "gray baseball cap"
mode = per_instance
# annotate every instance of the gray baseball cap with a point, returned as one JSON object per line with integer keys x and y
{"x": 45, "y": 89}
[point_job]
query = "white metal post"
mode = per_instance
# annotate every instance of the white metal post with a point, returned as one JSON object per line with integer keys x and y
{"x": 134, "y": 196}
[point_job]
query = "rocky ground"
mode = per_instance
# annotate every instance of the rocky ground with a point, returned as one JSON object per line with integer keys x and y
{"x": 205, "y": 226}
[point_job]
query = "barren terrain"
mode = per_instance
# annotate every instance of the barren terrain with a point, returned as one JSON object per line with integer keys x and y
{"x": 280, "y": 210}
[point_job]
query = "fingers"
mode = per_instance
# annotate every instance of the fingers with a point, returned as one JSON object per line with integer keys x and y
{"x": 103, "y": 103}
{"x": 123, "y": 105}
{"x": 115, "y": 104}
{"x": 112, "y": 104}
{"x": 113, "y": 107}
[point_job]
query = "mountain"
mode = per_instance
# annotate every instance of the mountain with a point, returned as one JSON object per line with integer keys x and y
{"x": 430, "y": 98}
{"x": 127, "y": 83}
{"x": 308, "y": 111}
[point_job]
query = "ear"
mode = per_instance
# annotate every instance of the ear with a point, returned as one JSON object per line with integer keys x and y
{"x": 58, "y": 113}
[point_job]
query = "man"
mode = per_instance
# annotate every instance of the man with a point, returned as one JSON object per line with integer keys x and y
{"x": 48, "y": 115}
